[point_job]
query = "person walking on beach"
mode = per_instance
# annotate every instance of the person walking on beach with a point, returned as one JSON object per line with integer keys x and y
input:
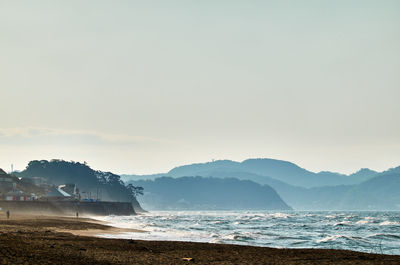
{"x": 77, "y": 215}
{"x": 8, "y": 214}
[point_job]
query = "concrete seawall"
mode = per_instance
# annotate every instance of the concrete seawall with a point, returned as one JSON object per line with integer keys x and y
{"x": 69, "y": 208}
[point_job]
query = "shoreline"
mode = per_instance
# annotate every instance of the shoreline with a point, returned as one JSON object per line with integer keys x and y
{"x": 91, "y": 226}
{"x": 70, "y": 240}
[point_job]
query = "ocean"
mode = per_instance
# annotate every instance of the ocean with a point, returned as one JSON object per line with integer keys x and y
{"x": 372, "y": 232}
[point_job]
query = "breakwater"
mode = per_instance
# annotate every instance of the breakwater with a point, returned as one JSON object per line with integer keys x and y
{"x": 68, "y": 208}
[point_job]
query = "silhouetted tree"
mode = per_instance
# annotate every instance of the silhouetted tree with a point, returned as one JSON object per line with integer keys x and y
{"x": 135, "y": 190}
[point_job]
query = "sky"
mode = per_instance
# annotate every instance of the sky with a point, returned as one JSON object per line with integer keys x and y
{"x": 140, "y": 87}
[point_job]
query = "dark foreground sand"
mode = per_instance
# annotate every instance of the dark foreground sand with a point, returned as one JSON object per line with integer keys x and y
{"x": 51, "y": 240}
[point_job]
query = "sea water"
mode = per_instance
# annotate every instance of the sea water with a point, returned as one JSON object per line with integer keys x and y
{"x": 373, "y": 232}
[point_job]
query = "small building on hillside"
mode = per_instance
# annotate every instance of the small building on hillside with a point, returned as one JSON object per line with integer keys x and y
{"x": 59, "y": 194}
{"x": 39, "y": 181}
{"x": 71, "y": 189}
{"x": 18, "y": 195}
{"x": 7, "y": 182}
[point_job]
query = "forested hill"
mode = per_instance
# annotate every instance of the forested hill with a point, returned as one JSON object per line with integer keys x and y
{"x": 198, "y": 193}
{"x": 109, "y": 186}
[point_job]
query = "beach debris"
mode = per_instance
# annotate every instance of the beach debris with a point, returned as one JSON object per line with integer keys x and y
{"x": 188, "y": 259}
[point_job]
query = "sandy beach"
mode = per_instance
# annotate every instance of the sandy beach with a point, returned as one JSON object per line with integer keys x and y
{"x": 66, "y": 240}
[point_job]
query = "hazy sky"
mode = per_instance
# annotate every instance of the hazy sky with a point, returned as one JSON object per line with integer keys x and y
{"x": 143, "y": 86}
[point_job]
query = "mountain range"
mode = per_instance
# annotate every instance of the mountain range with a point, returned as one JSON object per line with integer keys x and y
{"x": 303, "y": 189}
{"x": 277, "y": 169}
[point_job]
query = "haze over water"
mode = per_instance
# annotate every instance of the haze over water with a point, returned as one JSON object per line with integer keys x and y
{"x": 376, "y": 232}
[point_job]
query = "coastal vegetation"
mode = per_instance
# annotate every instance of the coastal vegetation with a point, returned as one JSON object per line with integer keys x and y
{"x": 94, "y": 184}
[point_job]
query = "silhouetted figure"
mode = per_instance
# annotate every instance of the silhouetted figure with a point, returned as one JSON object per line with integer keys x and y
{"x": 77, "y": 215}
{"x": 8, "y": 214}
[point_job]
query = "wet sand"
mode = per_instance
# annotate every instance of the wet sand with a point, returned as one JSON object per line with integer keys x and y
{"x": 66, "y": 240}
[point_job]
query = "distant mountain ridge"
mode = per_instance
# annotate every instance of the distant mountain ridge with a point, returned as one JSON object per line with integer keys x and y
{"x": 284, "y": 171}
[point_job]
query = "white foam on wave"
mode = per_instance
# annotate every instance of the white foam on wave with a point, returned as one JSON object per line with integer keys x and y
{"x": 121, "y": 221}
{"x": 337, "y": 237}
{"x": 161, "y": 235}
{"x": 332, "y": 216}
{"x": 280, "y": 215}
{"x": 238, "y": 236}
{"x": 389, "y": 223}
{"x": 329, "y": 238}
{"x": 304, "y": 229}
{"x": 343, "y": 223}
{"x": 350, "y": 216}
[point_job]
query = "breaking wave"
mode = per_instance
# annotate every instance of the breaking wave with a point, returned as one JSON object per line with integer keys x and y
{"x": 360, "y": 231}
